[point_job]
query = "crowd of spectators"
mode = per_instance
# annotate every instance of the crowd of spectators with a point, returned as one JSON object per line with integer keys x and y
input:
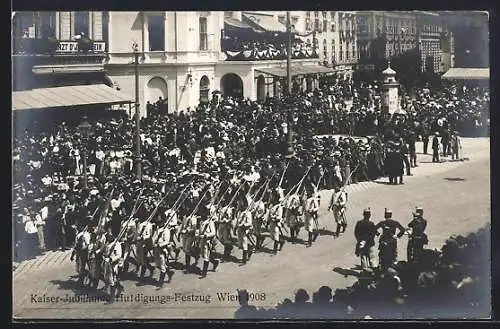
{"x": 449, "y": 283}
{"x": 228, "y": 135}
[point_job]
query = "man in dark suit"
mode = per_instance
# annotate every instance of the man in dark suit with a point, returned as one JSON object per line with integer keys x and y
{"x": 435, "y": 148}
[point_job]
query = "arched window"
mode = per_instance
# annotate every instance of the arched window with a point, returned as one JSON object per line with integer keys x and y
{"x": 204, "y": 89}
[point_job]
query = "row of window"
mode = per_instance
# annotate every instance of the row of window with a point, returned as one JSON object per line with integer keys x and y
{"x": 43, "y": 24}
{"x": 156, "y": 29}
{"x": 322, "y": 24}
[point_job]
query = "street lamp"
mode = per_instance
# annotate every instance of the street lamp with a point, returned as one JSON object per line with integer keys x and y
{"x": 137, "y": 157}
{"x": 85, "y": 130}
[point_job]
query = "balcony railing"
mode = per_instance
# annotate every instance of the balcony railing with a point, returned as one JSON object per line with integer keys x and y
{"x": 30, "y": 46}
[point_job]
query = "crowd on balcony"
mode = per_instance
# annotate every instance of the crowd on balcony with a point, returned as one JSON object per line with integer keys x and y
{"x": 225, "y": 137}
{"x": 272, "y": 49}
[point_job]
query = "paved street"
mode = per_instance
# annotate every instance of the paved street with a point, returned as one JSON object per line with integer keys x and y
{"x": 455, "y": 197}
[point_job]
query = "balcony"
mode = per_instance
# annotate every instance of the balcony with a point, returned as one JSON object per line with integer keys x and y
{"x": 28, "y": 46}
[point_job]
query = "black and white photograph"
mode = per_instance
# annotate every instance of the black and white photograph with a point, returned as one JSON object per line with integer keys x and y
{"x": 273, "y": 165}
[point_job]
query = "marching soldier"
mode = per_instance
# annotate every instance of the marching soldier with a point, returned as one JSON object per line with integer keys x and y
{"x": 388, "y": 249}
{"x": 292, "y": 215}
{"x": 207, "y": 244}
{"x": 96, "y": 246}
{"x": 81, "y": 252}
{"x": 243, "y": 227}
{"x": 171, "y": 218}
{"x": 161, "y": 244}
{"x": 418, "y": 238}
{"x": 143, "y": 245}
{"x": 338, "y": 206}
{"x": 365, "y": 233}
{"x": 111, "y": 262}
{"x": 311, "y": 216}
{"x": 226, "y": 217}
{"x": 276, "y": 222}
{"x": 187, "y": 233}
{"x": 130, "y": 228}
{"x": 259, "y": 222}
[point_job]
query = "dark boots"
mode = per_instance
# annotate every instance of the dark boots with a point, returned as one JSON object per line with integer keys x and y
{"x": 282, "y": 243}
{"x": 177, "y": 251}
{"x": 315, "y": 236}
{"x": 337, "y": 231}
{"x": 188, "y": 264}
{"x": 205, "y": 269}
{"x": 344, "y": 226}
{"x": 161, "y": 280}
{"x": 245, "y": 257}
{"x": 275, "y": 249}
{"x": 143, "y": 272}
{"x": 310, "y": 239}
{"x": 112, "y": 294}
{"x": 215, "y": 263}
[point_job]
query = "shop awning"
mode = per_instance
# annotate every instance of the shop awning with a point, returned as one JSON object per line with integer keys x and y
{"x": 264, "y": 22}
{"x": 466, "y": 74}
{"x": 68, "y": 96}
{"x": 296, "y": 70}
{"x": 232, "y": 22}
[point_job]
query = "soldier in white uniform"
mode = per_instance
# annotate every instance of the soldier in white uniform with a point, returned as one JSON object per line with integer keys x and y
{"x": 172, "y": 224}
{"x": 311, "y": 213}
{"x": 226, "y": 219}
{"x": 81, "y": 252}
{"x": 259, "y": 222}
{"x": 130, "y": 228}
{"x": 292, "y": 215}
{"x": 161, "y": 244}
{"x": 112, "y": 260}
{"x": 207, "y": 244}
{"x": 96, "y": 246}
{"x": 244, "y": 226}
{"x": 276, "y": 222}
{"x": 144, "y": 234}
{"x": 188, "y": 231}
{"x": 338, "y": 206}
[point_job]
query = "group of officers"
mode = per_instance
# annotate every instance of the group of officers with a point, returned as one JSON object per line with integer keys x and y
{"x": 198, "y": 215}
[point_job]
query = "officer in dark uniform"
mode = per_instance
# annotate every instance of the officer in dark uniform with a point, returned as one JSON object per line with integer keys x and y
{"x": 418, "y": 238}
{"x": 388, "y": 248}
{"x": 404, "y": 151}
{"x": 435, "y": 148}
{"x": 365, "y": 233}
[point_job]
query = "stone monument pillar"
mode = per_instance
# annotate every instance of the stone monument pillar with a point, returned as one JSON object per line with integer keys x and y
{"x": 390, "y": 90}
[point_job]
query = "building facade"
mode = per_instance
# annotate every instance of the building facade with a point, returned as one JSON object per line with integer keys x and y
{"x": 58, "y": 48}
{"x": 435, "y": 42}
{"x": 385, "y": 34}
{"x": 182, "y": 57}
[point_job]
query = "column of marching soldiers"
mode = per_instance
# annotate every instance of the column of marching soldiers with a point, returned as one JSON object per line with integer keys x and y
{"x": 225, "y": 212}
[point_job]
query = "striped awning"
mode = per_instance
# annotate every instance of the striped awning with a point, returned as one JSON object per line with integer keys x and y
{"x": 296, "y": 70}
{"x": 457, "y": 73}
{"x": 264, "y": 22}
{"x": 68, "y": 96}
{"x": 236, "y": 23}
